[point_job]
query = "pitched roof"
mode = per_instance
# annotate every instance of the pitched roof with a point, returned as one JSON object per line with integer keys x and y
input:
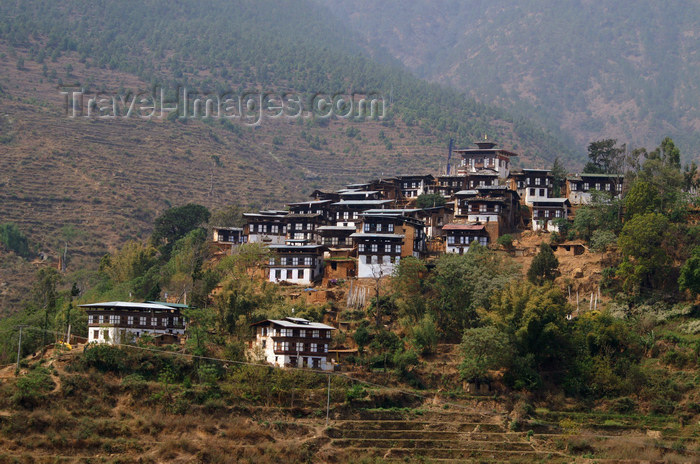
{"x": 295, "y": 323}
{"x": 463, "y": 227}
{"x": 127, "y": 305}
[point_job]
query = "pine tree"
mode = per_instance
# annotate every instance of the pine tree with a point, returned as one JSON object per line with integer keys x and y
{"x": 544, "y": 266}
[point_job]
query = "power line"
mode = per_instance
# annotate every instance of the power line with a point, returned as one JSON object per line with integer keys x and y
{"x": 267, "y": 366}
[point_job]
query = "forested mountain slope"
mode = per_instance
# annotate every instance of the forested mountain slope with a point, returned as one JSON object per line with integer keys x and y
{"x": 592, "y": 69}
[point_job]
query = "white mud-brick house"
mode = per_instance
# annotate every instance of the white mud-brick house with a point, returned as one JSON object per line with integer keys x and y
{"x": 348, "y": 212}
{"x": 532, "y": 184}
{"x": 485, "y": 157}
{"x": 415, "y": 185}
{"x": 547, "y": 213}
{"x": 579, "y": 187}
{"x": 295, "y": 262}
{"x": 377, "y": 254}
{"x": 266, "y": 227}
{"x": 459, "y": 237}
{"x": 228, "y": 235}
{"x": 119, "y": 322}
{"x": 449, "y": 184}
{"x": 293, "y": 342}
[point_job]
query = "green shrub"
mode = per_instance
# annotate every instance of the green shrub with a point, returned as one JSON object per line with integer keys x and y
{"x": 32, "y": 388}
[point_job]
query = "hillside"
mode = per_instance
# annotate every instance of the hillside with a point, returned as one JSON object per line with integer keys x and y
{"x": 88, "y": 184}
{"x": 589, "y": 69}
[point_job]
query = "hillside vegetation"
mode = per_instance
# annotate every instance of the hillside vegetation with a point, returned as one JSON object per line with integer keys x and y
{"x": 590, "y": 69}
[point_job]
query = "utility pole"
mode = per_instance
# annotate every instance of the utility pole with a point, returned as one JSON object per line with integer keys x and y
{"x": 328, "y": 400}
{"x": 19, "y": 345}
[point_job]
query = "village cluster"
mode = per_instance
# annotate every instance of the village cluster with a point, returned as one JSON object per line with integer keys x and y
{"x": 363, "y": 231}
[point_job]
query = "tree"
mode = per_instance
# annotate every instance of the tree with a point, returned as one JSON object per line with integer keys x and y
{"x": 175, "y": 223}
{"x": 45, "y": 296}
{"x": 668, "y": 153}
{"x": 544, "y": 266}
{"x": 462, "y": 284}
{"x": 604, "y": 156}
{"x": 483, "y": 349}
{"x": 642, "y": 198}
{"x": 690, "y": 273}
{"x": 558, "y": 177}
{"x": 230, "y": 216}
{"x": 12, "y": 238}
{"x": 644, "y": 257}
{"x": 430, "y": 200}
{"x": 408, "y": 285}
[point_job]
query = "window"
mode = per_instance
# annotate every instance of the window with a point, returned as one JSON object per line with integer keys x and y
{"x": 379, "y": 227}
{"x": 142, "y": 320}
{"x": 398, "y": 249}
{"x": 542, "y": 194}
{"x": 537, "y": 181}
{"x": 309, "y": 261}
{"x": 390, "y": 227}
{"x": 482, "y": 208}
{"x": 619, "y": 187}
{"x": 528, "y": 181}
{"x": 95, "y": 334}
{"x": 535, "y": 213}
{"x": 283, "y": 260}
{"x": 272, "y": 261}
{"x": 546, "y": 213}
{"x": 450, "y": 239}
{"x": 374, "y": 247}
{"x": 607, "y": 187}
{"x": 130, "y": 320}
{"x": 101, "y": 319}
{"x": 302, "y": 333}
{"x": 316, "y": 362}
{"x": 361, "y": 247}
{"x": 495, "y": 208}
{"x": 278, "y": 274}
{"x": 532, "y": 191}
{"x": 176, "y": 321}
{"x": 325, "y": 348}
{"x": 573, "y": 187}
{"x": 597, "y": 186}
{"x": 314, "y": 347}
{"x": 387, "y": 248}
{"x": 309, "y": 226}
{"x": 274, "y": 229}
{"x": 558, "y": 213}
{"x": 586, "y": 186}
{"x": 290, "y": 274}
{"x": 300, "y": 274}
{"x": 154, "y": 321}
{"x": 285, "y": 346}
{"x": 90, "y": 319}
{"x": 300, "y": 346}
{"x": 315, "y": 334}
{"x": 366, "y": 227}
{"x": 295, "y": 261}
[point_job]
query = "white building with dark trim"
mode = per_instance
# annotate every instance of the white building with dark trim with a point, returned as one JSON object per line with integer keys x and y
{"x": 118, "y": 322}
{"x": 293, "y": 342}
{"x": 295, "y": 262}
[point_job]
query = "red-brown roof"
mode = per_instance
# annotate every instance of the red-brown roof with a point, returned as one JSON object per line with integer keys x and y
{"x": 463, "y": 227}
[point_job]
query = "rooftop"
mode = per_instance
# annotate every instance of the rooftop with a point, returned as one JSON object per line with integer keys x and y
{"x": 295, "y": 323}
{"x": 129, "y": 305}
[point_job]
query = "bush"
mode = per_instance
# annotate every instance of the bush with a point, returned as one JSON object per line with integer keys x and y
{"x": 31, "y": 388}
{"x": 506, "y": 241}
{"x": 424, "y": 336}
